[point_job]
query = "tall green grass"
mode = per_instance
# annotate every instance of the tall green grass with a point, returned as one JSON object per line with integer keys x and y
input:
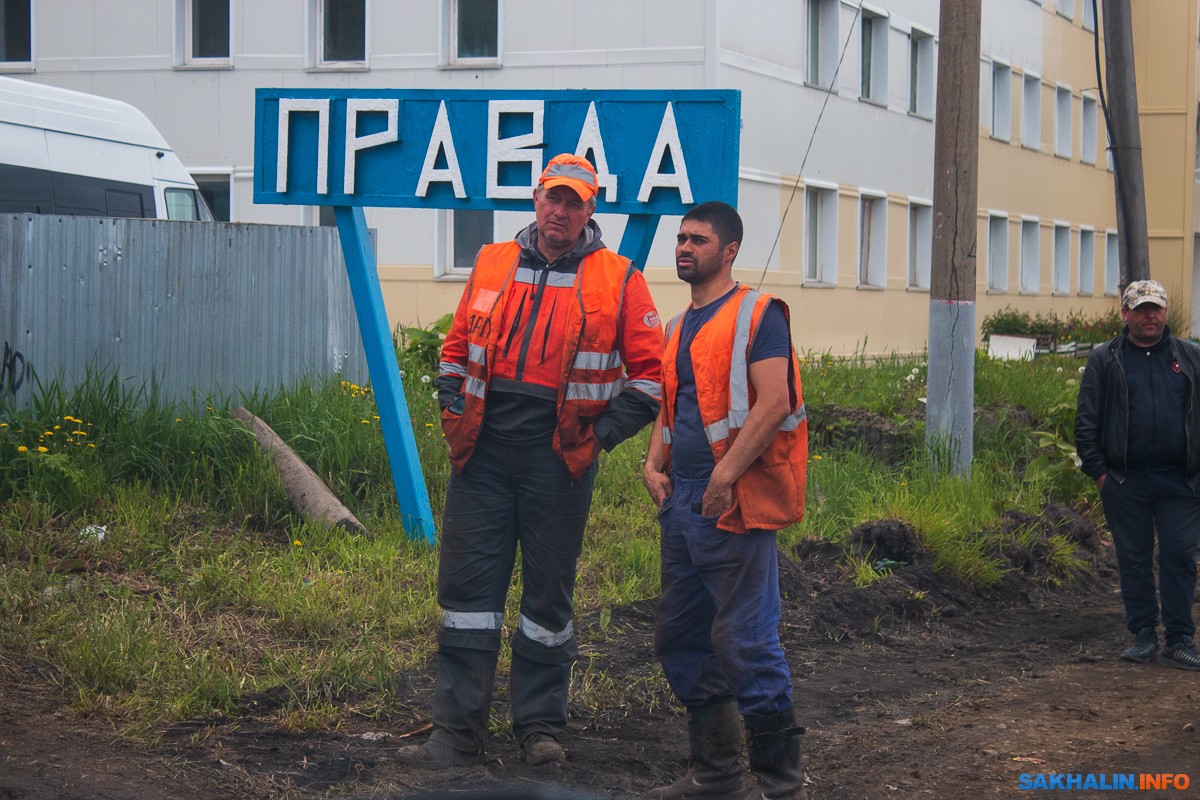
{"x": 208, "y": 596}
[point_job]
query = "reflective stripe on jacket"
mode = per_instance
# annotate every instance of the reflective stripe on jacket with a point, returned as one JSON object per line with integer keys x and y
{"x": 590, "y": 370}
{"x": 770, "y": 493}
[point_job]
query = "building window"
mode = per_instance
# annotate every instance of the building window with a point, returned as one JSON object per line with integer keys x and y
{"x": 1087, "y": 260}
{"x": 16, "y": 32}
{"x": 921, "y": 77}
{"x": 820, "y": 235}
{"x": 920, "y": 244}
{"x": 1087, "y": 129}
{"x": 874, "y": 57}
{"x": 474, "y": 28}
{"x": 822, "y": 41}
{"x": 206, "y": 30}
{"x": 1066, "y": 8}
{"x": 1063, "y": 119}
{"x": 1001, "y": 102}
{"x": 1030, "y": 255}
{"x": 462, "y": 233}
{"x": 1031, "y": 113}
{"x": 1089, "y": 16}
{"x": 872, "y": 241}
{"x": 1061, "y": 278}
{"x": 341, "y": 33}
{"x": 1112, "y": 264}
{"x": 997, "y": 263}
{"x": 215, "y": 191}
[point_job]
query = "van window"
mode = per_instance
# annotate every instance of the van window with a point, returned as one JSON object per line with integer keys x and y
{"x": 182, "y": 204}
{"x": 24, "y": 189}
{"x": 123, "y": 204}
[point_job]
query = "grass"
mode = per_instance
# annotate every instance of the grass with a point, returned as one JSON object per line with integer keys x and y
{"x": 207, "y": 596}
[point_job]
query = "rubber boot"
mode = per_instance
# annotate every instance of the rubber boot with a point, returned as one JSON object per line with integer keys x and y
{"x": 462, "y": 702}
{"x": 715, "y": 740}
{"x": 775, "y": 757}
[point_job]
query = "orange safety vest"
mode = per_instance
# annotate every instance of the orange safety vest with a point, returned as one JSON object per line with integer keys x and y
{"x": 590, "y": 370}
{"x": 770, "y": 493}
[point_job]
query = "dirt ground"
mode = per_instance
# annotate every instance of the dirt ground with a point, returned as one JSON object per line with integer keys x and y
{"x": 914, "y": 687}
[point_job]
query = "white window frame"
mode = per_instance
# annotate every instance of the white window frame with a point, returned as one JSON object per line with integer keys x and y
{"x": 823, "y": 44}
{"x": 316, "y": 42}
{"x": 1087, "y": 258}
{"x": 1031, "y": 111}
{"x": 444, "y": 254}
{"x": 1064, "y": 119}
{"x": 1001, "y": 101}
{"x": 184, "y": 39}
{"x": 25, "y": 66}
{"x": 1060, "y": 278}
{"x": 1088, "y": 120}
{"x": 448, "y": 55}
{"x": 920, "y": 243}
{"x": 872, "y": 239}
{"x": 997, "y": 249}
{"x": 1031, "y": 256}
{"x": 1112, "y": 263}
{"x": 922, "y": 77}
{"x": 820, "y": 234}
{"x": 874, "y": 29}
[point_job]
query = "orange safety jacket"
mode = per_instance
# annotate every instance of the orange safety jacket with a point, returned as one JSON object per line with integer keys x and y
{"x": 590, "y": 373}
{"x": 770, "y": 493}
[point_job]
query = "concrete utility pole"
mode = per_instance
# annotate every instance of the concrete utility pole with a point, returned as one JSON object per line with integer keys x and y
{"x": 1126, "y": 141}
{"x": 949, "y": 414}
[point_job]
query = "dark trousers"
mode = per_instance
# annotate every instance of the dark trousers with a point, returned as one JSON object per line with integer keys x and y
{"x": 1146, "y": 502}
{"x": 507, "y": 495}
{"x": 717, "y": 625}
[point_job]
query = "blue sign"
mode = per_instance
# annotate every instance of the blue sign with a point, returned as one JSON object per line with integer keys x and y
{"x": 655, "y": 152}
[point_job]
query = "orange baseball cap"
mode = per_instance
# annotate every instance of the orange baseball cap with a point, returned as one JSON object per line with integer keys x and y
{"x": 575, "y": 172}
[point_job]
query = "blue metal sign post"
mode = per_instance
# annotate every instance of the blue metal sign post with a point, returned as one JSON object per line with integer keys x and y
{"x": 655, "y": 153}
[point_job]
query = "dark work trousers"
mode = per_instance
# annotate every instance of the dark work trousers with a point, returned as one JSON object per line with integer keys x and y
{"x": 716, "y": 630}
{"x": 507, "y": 495}
{"x": 1151, "y": 500}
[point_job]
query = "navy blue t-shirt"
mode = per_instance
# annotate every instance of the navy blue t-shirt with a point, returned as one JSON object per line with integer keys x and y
{"x": 691, "y": 454}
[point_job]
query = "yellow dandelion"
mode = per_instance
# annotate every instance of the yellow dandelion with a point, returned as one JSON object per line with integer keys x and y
{"x": 48, "y": 433}
{"x": 79, "y": 433}
{"x": 816, "y": 458}
{"x": 42, "y": 449}
{"x": 3, "y": 424}
{"x": 91, "y": 445}
{"x": 428, "y": 424}
{"x": 22, "y": 449}
{"x": 365, "y": 421}
{"x": 178, "y": 419}
{"x": 297, "y": 543}
{"x": 58, "y": 427}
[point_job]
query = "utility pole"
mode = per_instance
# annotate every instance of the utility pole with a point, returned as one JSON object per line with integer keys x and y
{"x": 949, "y": 413}
{"x": 1125, "y": 138}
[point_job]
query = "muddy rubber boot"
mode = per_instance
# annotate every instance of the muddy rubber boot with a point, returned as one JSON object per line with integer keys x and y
{"x": 775, "y": 757}
{"x": 715, "y": 739}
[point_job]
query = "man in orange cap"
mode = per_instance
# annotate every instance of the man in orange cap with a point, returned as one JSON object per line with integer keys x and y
{"x": 554, "y": 354}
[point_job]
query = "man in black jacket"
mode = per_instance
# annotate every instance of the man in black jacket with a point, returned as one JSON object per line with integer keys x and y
{"x": 1137, "y": 433}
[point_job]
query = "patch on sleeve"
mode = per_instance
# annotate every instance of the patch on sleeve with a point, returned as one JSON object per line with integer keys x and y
{"x": 484, "y": 300}
{"x": 651, "y": 319}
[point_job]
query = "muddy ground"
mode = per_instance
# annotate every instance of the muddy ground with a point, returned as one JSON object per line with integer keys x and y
{"x": 916, "y": 687}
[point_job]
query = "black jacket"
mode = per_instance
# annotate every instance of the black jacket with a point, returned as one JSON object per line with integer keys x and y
{"x": 1102, "y": 416}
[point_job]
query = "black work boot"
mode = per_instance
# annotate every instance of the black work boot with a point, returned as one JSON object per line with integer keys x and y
{"x": 715, "y": 739}
{"x": 775, "y": 757}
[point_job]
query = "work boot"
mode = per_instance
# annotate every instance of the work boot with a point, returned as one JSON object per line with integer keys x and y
{"x": 775, "y": 757}
{"x": 715, "y": 740}
{"x": 436, "y": 755}
{"x": 1143, "y": 647}
{"x": 542, "y": 748}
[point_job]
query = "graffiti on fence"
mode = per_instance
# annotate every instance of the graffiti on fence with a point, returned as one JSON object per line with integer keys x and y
{"x": 13, "y": 370}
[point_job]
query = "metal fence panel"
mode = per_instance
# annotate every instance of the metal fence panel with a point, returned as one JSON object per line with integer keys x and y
{"x": 203, "y": 309}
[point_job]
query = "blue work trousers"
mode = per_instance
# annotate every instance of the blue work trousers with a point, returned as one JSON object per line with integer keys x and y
{"x": 1146, "y": 502}
{"x": 717, "y": 625}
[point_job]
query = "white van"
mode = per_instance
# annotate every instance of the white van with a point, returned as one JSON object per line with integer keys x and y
{"x": 65, "y": 152}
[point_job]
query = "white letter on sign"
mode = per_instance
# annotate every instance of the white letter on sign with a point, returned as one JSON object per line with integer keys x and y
{"x": 514, "y": 149}
{"x": 590, "y": 139}
{"x": 668, "y": 139}
{"x": 354, "y": 142}
{"x": 441, "y": 139}
{"x": 286, "y": 106}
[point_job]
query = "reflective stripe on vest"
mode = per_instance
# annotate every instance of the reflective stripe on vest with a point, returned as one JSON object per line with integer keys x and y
{"x": 651, "y": 388}
{"x": 597, "y": 360}
{"x": 544, "y": 636}
{"x": 473, "y": 620}
{"x": 450, "y": 368}
{"x": 593, "y": 391}
{"x": 556, "y": 278}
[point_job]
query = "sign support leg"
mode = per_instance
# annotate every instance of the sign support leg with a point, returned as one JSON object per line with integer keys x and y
{"x": 639, "y": 235}
{"x": 385, "y": 374}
